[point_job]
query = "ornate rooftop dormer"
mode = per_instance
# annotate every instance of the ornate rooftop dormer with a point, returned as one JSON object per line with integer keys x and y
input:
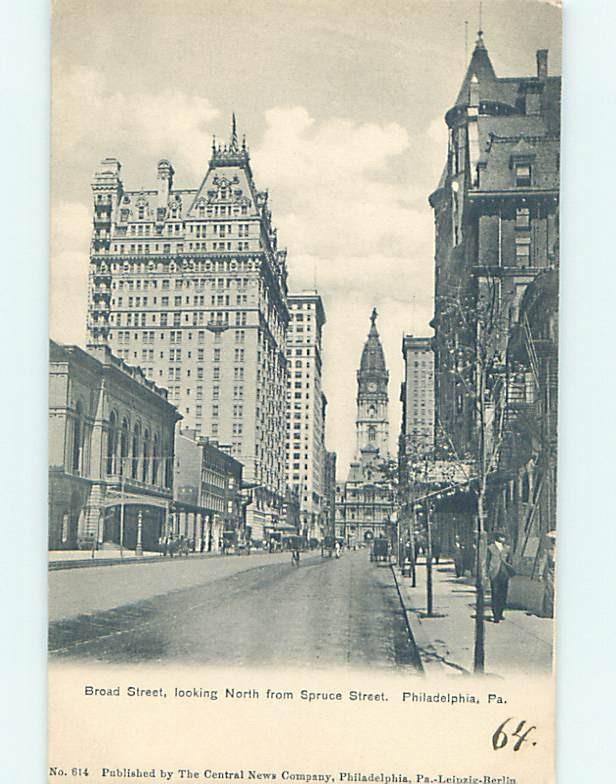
{"x": 233, "y": 153}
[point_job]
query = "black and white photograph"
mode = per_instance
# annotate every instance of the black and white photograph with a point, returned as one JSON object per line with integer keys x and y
{"x": 303, "y": 347}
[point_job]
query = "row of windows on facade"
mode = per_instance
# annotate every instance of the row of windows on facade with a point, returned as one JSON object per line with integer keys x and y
{"x": 175, "y": 392}
{"x": 131, "y": 319}
{"x": 138, "y": 284}
{"x": 175, "y": 354}
{"x": 165, "y": 301}
{"x": 198, "y": 229}
{"x": 203, "y": 247}
{"x": 174, "y": 336}
{"x": 201, "y": 211}
{"x": 175, "y": 373}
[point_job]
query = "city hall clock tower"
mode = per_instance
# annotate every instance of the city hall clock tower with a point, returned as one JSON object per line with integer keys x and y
{"x": 372, "y": 421}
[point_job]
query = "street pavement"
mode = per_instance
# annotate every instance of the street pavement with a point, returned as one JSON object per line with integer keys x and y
{"x": 239, "y": 610}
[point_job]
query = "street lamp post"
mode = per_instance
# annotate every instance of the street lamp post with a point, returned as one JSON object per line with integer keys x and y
{"x": 139, "y": 546}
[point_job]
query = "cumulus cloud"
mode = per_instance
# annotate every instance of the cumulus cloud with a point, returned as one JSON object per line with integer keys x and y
{"x": 70, "y": 240}
{"x": 358, "y": 232}
{"x": 334, "y": 183}
{"x": 354, "y": 223}
{"x": 89, "y": 116}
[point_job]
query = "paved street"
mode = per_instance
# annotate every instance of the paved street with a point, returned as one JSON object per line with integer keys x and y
{"x": 232, "y": 610}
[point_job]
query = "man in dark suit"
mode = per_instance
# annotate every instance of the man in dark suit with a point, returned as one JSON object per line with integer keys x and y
{"x": 499, "y": 572}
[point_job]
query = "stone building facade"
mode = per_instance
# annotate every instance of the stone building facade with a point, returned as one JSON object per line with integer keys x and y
{"x": 191, "y": 285}
{"x": 417, "y": 396}
{"x": 307, "y": 409}
{"x": 365, "y": 502}
{"x": 111, "y": 446}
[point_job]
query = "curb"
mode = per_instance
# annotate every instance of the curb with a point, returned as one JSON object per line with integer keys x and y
{"x": 88, "y": 563}
{"x": 418, "y": 660}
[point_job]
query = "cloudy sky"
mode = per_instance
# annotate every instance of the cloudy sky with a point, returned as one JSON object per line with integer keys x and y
{"x": 342, "y": 104}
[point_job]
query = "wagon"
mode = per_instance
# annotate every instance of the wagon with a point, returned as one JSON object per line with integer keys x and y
{"x": 381, "y": 551}
{"x": 327, "y": 546}
{"x": 296, "y": 543}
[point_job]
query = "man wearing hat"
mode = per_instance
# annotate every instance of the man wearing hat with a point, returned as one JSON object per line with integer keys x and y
{"x": 499, "y": 572}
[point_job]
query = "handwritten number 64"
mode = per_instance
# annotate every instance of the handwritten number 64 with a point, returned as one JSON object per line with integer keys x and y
{"x": 500, "y": 738}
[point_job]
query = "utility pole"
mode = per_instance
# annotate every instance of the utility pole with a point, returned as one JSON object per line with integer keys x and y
{"x": 429, "y": 597}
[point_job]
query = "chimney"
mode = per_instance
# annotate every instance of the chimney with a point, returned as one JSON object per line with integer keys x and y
{"x": 542, "y": 63}
{"x": 165, "y": 182}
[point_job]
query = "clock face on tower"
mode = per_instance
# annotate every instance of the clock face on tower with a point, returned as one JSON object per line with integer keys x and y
{"x": 372, "y": 386}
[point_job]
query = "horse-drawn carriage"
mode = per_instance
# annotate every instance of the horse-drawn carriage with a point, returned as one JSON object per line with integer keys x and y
{"x": 328, "y": 545}
{"x": 380, "y": 551}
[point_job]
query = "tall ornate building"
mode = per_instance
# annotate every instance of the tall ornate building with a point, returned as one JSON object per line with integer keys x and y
{"x": 496, "y": 219}
{"x": 372, "y": 422}
{"x": 417, "y": 397}
{"x": 496, "y": 222}
{"x": 307, "y": 406}
{"x": 191, "y": 285}
{"x": 365, "y": 502}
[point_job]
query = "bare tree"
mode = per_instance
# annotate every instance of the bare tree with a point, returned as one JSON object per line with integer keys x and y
{"x": 473, "y": 328}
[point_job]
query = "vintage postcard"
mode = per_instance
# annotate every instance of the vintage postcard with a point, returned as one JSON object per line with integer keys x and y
{"x": 303, "y": 375}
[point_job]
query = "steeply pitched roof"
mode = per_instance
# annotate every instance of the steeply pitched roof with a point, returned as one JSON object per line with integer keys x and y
{"x": 372, "y": 356}
{"x": 481, "y": 68}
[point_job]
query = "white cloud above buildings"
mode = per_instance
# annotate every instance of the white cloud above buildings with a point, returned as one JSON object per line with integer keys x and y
{"x": 352, "y": 224}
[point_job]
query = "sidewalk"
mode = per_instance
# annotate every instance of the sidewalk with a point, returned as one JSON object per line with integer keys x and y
{"x": 520, "y": 644}
{"x": 72, "y": 559}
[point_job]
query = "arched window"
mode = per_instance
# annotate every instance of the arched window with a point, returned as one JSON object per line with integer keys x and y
{"x": 145, "y": 468}
{"x": 112, "y": 442}
{"x": 77, "y": 439}
{"x": 135, "y": 452}
{"x": 124, "y": 447}
{"x": 155, "y": 459}
{"x": 371, "y": 433}
{"x": 168, "y": 463}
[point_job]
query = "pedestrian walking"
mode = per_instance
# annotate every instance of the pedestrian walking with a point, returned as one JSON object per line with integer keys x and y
{"x": 337, "y": 547}
{"x": 499, "y": 572}
{"x": 458, "y": 557}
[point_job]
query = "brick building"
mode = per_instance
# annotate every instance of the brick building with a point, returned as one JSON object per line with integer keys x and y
{"x": 495, "y": 212}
